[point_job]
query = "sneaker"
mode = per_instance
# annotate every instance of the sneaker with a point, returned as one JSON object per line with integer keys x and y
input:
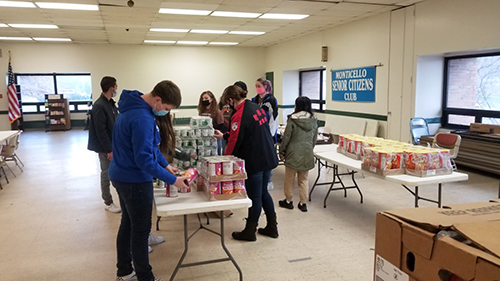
{"x": 302, "y": 207}
{"x": 155, "y": 239}
{"x": 270, "y": 185}
{"x": 284, "y": 204}
{"x": 158, "y": 279}
{"x": 129, "y": 277}
{"x": 150, "y": 249}
{"x": 112, "y": 208}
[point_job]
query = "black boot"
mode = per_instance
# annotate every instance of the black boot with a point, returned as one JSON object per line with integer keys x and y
{"x": 271, "y": 228}
{"x": 248, "y": 234}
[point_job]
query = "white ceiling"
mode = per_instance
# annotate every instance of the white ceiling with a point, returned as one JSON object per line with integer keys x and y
{"x": 116, "y": 23}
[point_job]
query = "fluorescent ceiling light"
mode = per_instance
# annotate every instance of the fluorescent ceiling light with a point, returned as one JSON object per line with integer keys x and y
{"x": 184, "y": 12}
{"x": 17, "y": 4}
{"x": 16, "y": 38}
{"x": 168, "y": 30}
{"x": 235, "y": 14}
{"x": 22, "y": 25}
{"x": 223, "y": 43}
{"x": 192, "y": 42}
{"x": 159, "y": 41}
{"x": 208, "y": 31}
{"x": 247, "y": 32}
{"x": 67, "y": 6}
{"x": 52, "y": 39}
{"x": 283, "y": 16}
{"x": 3, "y": 25}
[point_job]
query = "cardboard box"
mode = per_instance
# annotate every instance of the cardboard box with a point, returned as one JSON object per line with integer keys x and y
{"x": 407, "y": 240}
{"x": 485, "y": 128}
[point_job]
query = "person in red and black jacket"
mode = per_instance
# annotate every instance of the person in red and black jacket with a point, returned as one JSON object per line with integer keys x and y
{"x": 249, "y": 138}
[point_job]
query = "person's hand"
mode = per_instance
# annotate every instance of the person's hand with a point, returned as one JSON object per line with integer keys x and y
{"x": 180, "y": 182}
{"x": 218, "y": 134}
{"x": 110, "y": 156}
{"x": 172, "y": 169}
{"x": 283, "y": 158}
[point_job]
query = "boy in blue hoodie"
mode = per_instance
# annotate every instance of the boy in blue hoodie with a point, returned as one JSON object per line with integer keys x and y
{"x": 136, "y": 160}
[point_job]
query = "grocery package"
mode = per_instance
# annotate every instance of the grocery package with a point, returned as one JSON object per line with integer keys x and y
{"x": 422, "y": 161}
{"x": 390, "y": 157}
{"x": 222, "y": 177}
{"x": 383, "y": 160}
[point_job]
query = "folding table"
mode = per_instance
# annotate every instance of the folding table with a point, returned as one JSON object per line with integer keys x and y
{"x": 327, "y": 156}
{"x": 195, "y": 203}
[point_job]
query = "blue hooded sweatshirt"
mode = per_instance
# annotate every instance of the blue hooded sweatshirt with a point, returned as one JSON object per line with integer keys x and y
{"x": 136, "y": 137}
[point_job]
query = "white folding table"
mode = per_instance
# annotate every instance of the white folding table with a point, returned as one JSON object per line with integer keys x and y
{"x": 195, "y": 203}
{"x": 326, "y": 154}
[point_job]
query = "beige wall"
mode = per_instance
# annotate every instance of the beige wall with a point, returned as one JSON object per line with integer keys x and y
{"x": 193, "y": 69}
{"x": 396, "y": 40}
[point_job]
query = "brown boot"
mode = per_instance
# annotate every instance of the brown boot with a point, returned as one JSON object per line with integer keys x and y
{"x": 271, "y": 228}
{"x": 248, "y": 234}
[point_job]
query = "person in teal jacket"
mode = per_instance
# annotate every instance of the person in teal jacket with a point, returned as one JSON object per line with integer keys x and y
{"x": 136, "y": 160}
{"x": 296, "y": 150}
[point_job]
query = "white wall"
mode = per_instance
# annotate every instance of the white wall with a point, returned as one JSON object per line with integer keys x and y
{"x": 429, "y": 88}
{"x": 193, "y": 69}
{"x": 403, "y": 41}
{"x": 357, "y": 44}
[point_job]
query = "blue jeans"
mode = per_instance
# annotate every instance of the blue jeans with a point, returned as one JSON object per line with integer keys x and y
{"x": 136, "y": 201}
{"x": 256, "y": 186}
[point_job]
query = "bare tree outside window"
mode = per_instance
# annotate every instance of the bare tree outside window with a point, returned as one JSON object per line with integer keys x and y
{"x": 473, "y": 90}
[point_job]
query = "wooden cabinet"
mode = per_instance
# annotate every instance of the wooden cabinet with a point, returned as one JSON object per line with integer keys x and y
{"x": 57, "y": 116}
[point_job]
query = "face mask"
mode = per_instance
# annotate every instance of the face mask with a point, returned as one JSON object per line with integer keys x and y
{"x": 205, "y": 103}
{"x": 115, "y": 93}
{"x": 261, "y": 91}
{"x": 160, "y": 113}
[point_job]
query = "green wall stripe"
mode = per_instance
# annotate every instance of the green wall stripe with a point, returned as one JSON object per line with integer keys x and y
{"x": 357, "y": 114}
{"x": 188, "y": 107}
{"x": 286, "y": 106}
{"x": 4, "y": 112}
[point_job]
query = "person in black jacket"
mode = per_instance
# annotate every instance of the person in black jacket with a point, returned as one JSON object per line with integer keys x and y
{"x": 102, "y": 120}
{"x": 249, "y": 138}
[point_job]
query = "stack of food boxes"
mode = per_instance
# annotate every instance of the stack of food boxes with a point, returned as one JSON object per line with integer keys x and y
{"x": 222, "y": 177}
{"x": 197, "y": 139}
{"x": 389, "y": 157}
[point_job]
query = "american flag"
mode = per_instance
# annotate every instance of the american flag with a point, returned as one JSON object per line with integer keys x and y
{"x": 14, "y": 112}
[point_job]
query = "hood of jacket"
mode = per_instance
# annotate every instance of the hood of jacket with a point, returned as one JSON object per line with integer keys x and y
{"x": 304, "y": 120}
{"x": 132, "y": 100}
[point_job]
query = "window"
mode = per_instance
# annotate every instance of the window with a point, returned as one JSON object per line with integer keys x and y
{"x": 77, "y": 88}
{"x": 313, "y": 85}
{"x": 472, "y": 90}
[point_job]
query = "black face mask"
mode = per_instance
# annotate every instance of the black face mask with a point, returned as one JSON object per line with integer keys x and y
{"x": 205, "y": 103}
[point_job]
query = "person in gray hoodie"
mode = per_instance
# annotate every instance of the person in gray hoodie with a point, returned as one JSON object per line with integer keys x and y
{"x": 296, "y": 150}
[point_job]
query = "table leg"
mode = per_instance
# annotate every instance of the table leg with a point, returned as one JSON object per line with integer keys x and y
{"x": 356, "y": 185}
{"x": 416, "y": 196}
{"x": 222, "y": 241}
{"x": 317, "y": 178}
{"x": 439, "y": 194}
{"x": 158, "y": 223}
{"x": 335, "y": 174}
{"x": 186, "y": 239}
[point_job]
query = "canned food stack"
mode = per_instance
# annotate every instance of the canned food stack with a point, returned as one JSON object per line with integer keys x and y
{"x": 197, "y": 139}
{"x": 222, "y": 177}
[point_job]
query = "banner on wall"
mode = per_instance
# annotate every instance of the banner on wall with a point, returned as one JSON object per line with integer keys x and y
{"x": 354, "y": 85}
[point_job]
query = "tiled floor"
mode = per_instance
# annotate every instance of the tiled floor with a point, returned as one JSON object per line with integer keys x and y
{"x": 54, "y": 227}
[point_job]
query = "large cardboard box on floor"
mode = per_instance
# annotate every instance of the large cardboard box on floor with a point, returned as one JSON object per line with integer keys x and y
{"x": 408, "y": 246}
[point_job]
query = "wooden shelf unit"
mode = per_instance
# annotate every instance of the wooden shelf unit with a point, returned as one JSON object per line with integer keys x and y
{"x": 57, "y": 116}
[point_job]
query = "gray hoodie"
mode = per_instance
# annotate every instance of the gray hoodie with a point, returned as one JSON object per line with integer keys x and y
{"x": 298, "y": 142}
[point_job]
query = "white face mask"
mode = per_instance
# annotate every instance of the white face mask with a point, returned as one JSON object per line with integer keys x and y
{"x": 115, "y": 93}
